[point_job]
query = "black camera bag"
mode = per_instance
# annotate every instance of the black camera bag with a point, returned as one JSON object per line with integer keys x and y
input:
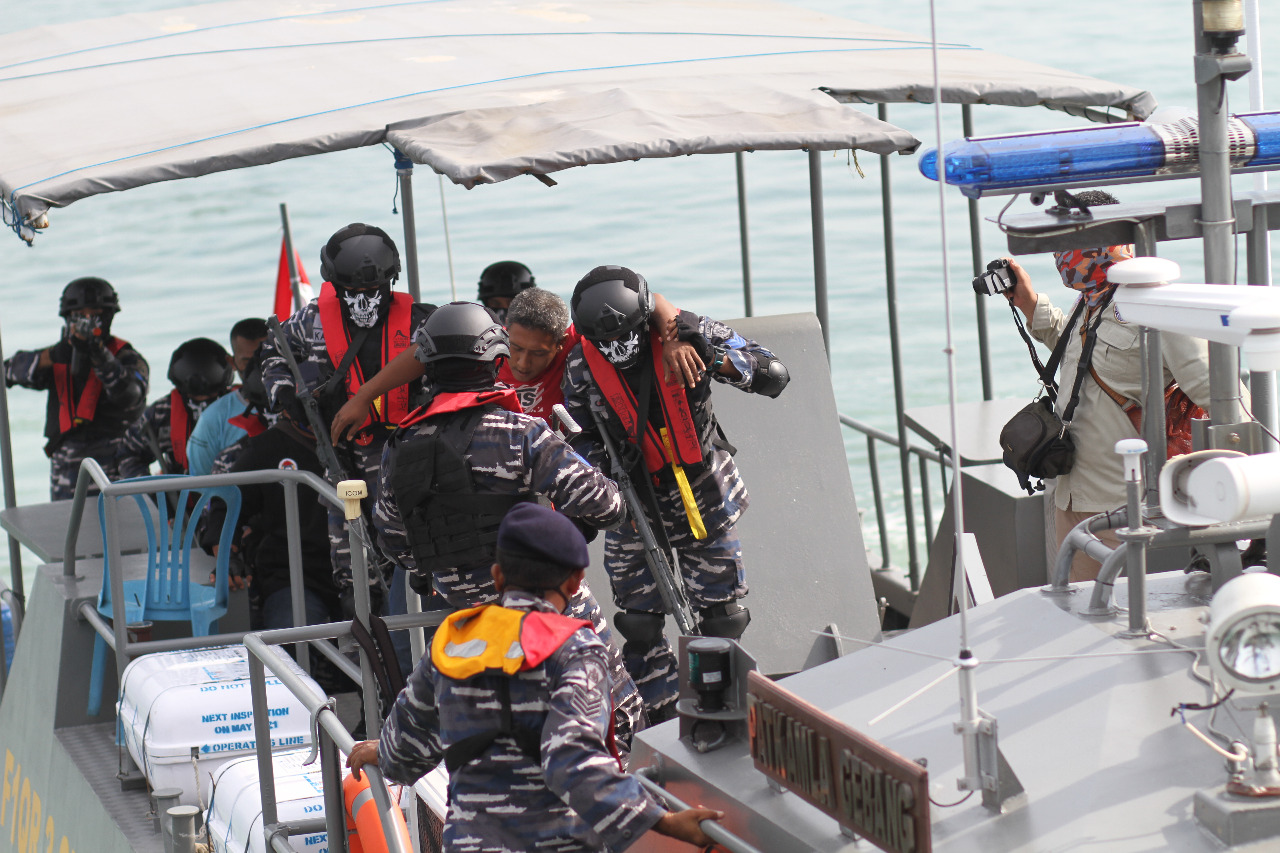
{"x": 1036, "y": 442}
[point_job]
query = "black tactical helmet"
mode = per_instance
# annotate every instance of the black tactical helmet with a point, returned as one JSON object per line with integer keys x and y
{"x": 610, "y": 302}
{"x": 360, "y": 256}
{"x": 462, "y": 330}
{"x": 505, "y": 278}
{"x": 199, "y": 367}
{"x": 89, "y": 292}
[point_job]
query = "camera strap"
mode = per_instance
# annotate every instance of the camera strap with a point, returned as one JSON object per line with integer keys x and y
{"x": 1086, "y": 357}
{"x": 1048, "y": 371}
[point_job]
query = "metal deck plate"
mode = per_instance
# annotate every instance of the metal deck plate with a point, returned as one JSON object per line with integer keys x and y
{"x": 93, "y": 749}
{"x": 1088, "y": 731}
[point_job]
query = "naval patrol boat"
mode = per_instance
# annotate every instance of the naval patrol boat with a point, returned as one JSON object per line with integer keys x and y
{"x": 854, "y": 746}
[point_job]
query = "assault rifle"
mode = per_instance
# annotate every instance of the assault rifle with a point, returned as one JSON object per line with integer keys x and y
{"x": 658, "y": 556}
{"x": 334, "y": 471}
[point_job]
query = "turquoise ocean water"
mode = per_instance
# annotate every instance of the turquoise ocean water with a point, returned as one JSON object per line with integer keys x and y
{"x": 190, "y": 258}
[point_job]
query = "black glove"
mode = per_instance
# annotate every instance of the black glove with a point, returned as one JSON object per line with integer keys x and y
{"x": 60, "y": 353}
{"x": 285, "y": 396}
{"x": 687, "y": 330}
{"x": 588, "y": 532}
{"x": 630, "y": 456}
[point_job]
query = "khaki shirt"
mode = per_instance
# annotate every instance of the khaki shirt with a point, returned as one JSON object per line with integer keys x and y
{"x": 1096, "y": 482}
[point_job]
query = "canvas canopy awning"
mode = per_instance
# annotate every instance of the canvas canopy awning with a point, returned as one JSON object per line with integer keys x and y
{"x": 479, "y": 90}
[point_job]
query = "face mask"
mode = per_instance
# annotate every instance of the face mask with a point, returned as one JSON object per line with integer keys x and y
{"x": 624, "y": 352}
{"x": 365, "y": 307}
{"x": 197, "y": 407}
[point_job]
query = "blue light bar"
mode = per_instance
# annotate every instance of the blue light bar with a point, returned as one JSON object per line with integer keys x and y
{"x": 1110, "y": 153}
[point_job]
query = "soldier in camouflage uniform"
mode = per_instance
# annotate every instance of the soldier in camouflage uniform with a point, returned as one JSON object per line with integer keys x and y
{"x": 97, "y": 384}
{"x": 525, "y": 737}
{"x": 616, "y": 370}
{"x": 501, "y": 457}
{"x": 200, "y": 370}
{"x": 359, "y": 325}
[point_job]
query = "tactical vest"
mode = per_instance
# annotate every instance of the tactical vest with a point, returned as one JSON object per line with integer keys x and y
{"x": 449, "y": 524}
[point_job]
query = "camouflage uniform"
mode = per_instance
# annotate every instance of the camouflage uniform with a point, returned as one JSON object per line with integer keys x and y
{"x": 712, "y": 567}
{"x": 576, "y": 799}
{"x": 361, "y": 457}
{"x": 515, "y": 453}
{"x": 124, "y": 394}
{"x": 135, "y": 453}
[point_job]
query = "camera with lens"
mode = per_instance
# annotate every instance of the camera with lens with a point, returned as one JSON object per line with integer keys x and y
{"x": 997, "y": 279}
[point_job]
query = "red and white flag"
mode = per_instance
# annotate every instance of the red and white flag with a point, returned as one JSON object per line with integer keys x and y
{"x": 284, "y": 290}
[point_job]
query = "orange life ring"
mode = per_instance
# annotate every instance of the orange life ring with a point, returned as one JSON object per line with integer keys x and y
{"x": 364, "y": 827}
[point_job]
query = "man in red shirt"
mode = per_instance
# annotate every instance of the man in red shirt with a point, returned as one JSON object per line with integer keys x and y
{"x": 540, "y": 339}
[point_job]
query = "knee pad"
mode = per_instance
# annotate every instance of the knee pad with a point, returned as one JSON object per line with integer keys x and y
{"x": 639, "y": 627}
{"x": 727, "y": 620}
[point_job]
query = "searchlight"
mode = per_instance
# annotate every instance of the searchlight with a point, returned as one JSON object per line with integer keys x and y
{"x": 1108, "y": 154}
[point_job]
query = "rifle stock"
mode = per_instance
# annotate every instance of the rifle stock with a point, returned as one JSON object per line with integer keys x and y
{"x": 669, "y": 584}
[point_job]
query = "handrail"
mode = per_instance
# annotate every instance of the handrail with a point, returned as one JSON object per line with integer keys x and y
{"x": 116, "y": 634}
{"x": 713, "y": 829}
{"x": 925, "y": 455}
{"x": 91, "y": 473}
{"x": 265, "y": 654}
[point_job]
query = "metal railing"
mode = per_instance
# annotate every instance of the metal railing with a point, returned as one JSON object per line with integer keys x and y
{"x": 263, "y": 651}
{"x": 332, "y": 736}
{"x": 924, "y": 456}
{"x": 116, "y": 634}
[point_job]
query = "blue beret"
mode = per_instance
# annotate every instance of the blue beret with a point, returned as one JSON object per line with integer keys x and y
{"x": 535, "y": 531}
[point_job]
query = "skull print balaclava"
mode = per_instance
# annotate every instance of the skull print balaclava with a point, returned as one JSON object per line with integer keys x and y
{"x": 366, "y": 308}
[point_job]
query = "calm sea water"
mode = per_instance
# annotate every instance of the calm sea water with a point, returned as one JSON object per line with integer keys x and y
{"x": 192, "y": 257}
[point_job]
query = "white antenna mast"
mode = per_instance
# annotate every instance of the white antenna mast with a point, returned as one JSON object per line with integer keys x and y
{"x": 985, "y": 768}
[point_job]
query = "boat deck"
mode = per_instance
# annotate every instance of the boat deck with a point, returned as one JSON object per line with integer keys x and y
{"x": 92, "y": 748}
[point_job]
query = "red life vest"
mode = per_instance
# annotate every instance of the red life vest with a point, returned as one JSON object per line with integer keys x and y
{"x": 676, "y": 415}
{"x": 74, "y": 412}
{"x": 180, "y": 426}
{"x": 395, "y": 333}
{"x": 456, "y": 401}
{"x": 250, "y": 423}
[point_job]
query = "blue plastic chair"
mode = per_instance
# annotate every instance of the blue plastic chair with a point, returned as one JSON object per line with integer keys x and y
{"x": 168, "y": 593}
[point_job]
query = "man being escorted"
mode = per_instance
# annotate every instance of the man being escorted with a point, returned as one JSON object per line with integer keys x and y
{"x": 514, "y": 698}
{"x": 678, "y": 458}
{"x": 97, "y": 384}
{"x": 348, "y": 334}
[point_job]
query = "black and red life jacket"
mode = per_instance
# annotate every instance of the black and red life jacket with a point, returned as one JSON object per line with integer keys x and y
{"x": 395, "y": 333}
{"x": 181, "y": 425}
{"x": 677, "y": 417}
{"x": 76, "y": 410}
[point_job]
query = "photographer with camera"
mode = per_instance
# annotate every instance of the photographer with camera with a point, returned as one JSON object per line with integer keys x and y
{"x": 97, "y": 384}
{"x": 1110, "y": 395}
